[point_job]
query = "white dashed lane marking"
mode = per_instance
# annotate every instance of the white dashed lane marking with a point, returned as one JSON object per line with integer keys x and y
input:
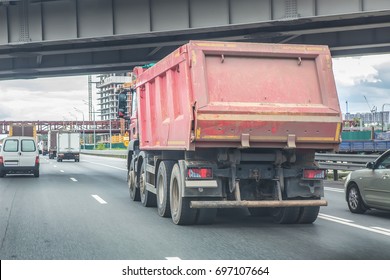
{"x": 73, "y": 179}
{"x": 99, "y": 199}
{"x": 334, "y": 189}
{"x": 105, "y": 165}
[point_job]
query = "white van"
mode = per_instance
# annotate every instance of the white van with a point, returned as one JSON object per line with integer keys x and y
{"x": 19, "y": 154}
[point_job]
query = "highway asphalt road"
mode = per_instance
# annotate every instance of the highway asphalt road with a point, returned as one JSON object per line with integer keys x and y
{"x": 77, "y": 211}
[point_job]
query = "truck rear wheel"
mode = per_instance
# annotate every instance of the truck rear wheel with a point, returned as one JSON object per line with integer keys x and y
{"x": 308, "y": 214}
{"x": 148, "y": 199}
{"x": 181, "y": 212}
{"x": 258, "y": 211}
{"x": 285, "y": 215}
{"x": 162, "y": 187}
{"x": 133, "y": 190}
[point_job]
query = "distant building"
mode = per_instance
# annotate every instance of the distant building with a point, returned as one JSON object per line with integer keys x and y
{"x": 369, "y": 118}
{"x": 108, "y": 99}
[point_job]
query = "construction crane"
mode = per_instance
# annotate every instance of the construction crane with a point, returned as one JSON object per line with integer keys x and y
{"x": 373, "y": 109}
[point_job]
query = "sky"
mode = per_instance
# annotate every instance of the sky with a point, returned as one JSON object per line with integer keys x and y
{"x": 367, "y": 76}
{"x": 55, "y": 98}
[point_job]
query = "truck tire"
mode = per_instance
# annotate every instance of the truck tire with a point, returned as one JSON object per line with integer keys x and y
{"x": 36, "y": 173}
{"x": 181, "y": 212}
{"x": 285, "y": 215}
{"x": 259, "y": 211}
{"x": 162, "y": 188}
{"x": 308, "y": 214}
{"x": 2, "y": 174}
{"x": 148, "y": 199}
{"x": 133, "y": 190}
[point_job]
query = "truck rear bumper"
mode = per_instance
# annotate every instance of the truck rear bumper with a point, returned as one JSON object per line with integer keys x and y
{"x": 261, "y": 203}
{"x": 68, "y": 155}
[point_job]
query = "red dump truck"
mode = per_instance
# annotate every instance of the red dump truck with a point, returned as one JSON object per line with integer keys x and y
{"x": 232, "y": 125}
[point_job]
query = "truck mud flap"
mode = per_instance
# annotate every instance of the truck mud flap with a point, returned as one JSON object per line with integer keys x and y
{"x": 263, "y": 203}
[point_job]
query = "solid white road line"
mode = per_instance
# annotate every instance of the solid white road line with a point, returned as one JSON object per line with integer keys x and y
{"x": 335, "y": 218}
{"x": 382, "y": 229}
{"x": 99, "y": 199}
{"x": 351, "y": 224}
{"x": 105, "y": 165}
{"x": 173, "y": 258}
{"x": 73, "y": 179}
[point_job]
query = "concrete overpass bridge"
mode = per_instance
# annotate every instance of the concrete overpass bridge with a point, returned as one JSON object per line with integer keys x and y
{"x": 42, "y": 38}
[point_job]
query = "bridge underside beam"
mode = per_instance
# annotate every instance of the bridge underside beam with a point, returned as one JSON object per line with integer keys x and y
{"x": 68, "y": 37}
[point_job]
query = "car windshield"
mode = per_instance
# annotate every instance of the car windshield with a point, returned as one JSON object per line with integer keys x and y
{"x": 28, "y": 145}
{"x": 11, "y": 145}
{"x": 384, "y": 163}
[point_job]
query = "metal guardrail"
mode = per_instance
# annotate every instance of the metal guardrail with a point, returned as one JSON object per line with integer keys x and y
{"x": 106, "y": 153}
{"x": 343, "y": 161}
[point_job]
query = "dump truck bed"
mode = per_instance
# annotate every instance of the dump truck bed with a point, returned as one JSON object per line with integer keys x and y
{"x": 239, "y": 95}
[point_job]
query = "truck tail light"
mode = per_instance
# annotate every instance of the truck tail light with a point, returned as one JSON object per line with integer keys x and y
{"x": 37, "y": 160}
{"x": 314, "y": 174}
{"x": 199, "y": 173}
{"x": 1, "y": 160}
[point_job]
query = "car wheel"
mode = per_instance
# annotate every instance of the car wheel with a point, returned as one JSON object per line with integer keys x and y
{"x": 354, "y": 199}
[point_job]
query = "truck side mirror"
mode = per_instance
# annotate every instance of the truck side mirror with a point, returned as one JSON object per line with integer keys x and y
{"x": 370, "y": 165}
{"x": 122, "y": 104}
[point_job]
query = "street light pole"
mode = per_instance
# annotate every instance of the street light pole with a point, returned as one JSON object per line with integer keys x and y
{"x": 73, "y": 116}
{"x": 78, "y": 110}
{"x": 110, "y": 130}
{"x": 94, "y": 123}
{"x": 383, "y": 108}
{"x": 94, "y": 128}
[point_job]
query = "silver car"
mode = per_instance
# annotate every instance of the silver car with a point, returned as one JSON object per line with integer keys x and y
{"x": 369, "y": 187}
